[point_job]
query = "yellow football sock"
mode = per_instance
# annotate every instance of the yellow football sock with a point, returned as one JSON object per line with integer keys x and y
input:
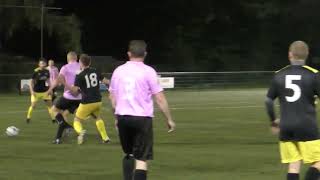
{"x": 51, "y": 113}
{"x": 102, "y": 130}
{"x": 30, "y": 110}
{"x": 77, "y": 126}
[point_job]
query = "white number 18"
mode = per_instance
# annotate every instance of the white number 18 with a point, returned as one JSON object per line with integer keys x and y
{"x": 91, "y": 80}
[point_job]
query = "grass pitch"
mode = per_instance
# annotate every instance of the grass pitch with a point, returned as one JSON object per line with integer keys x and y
{"x": 221, "y": 135}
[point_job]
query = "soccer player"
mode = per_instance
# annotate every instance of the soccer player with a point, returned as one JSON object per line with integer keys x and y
{"x": 39, "y": 85}
{"x": 133, "y": 85}
{"x": 296, "y": 87}
{"x": 54, "y": 72}
{"x": 69, "y": 102}
{"x": 87, "y": 83}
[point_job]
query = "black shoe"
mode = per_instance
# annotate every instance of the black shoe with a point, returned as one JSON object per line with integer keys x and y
{"x": 54, "y": 121}
{"x": 108, "y": 141}
{"x": 28, "y": 121}
{"x": 57, "y": 141}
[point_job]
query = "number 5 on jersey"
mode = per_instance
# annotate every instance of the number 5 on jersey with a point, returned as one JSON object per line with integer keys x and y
{"x": 291, "y": 85}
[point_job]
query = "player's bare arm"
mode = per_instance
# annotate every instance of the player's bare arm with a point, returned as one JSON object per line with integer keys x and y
{"x": 162, "y": 102}
{"x": 272, "y": 115}
{"x": 74, "y": 89}
{"x": 113, "y": 104}
{"x": 60, "y": 80}
{"x": 106, "y": 81}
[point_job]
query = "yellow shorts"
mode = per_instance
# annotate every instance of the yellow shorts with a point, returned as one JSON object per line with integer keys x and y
{"x": 308, "y": 151}
{"x": 40, "y": 96}
{"x": 86, "y": 110}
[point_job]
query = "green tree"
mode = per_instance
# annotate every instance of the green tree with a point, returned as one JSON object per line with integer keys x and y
{"x": 66, "y": 29}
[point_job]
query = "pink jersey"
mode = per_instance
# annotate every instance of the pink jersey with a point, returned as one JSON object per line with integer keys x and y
{"x": 69, "y": 72}
{"x": 54, "y": 72}
{"x": 133, "y": 85}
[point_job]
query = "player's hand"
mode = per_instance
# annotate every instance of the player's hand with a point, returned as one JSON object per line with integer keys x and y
{"x": 275, "y": 130}
{"x": 106, "y": 81}
{"x": 171, "y": 125}
{"x": 49, "y": 92}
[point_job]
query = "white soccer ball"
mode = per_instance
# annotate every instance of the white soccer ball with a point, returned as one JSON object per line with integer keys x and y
{"x": 12, "y": 131}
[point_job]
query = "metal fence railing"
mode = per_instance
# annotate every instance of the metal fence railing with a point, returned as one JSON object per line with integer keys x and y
{"x": 195, "y": 80}
{"x": 183, "y": 80}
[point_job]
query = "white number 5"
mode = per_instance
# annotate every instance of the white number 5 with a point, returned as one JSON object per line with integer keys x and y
{"x": 296, "y": 89}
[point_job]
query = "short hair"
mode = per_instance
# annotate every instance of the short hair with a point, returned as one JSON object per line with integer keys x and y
{"x": 85, "y": 59}
{"x": 299, "y": 50}
{"x": 42, "y": 60}
{"x": 72, "y": 55}
{"x": 138, "y": 48}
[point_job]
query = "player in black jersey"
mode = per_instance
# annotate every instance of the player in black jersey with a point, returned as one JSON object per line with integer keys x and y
{"x": 296, "y": 87}
{"x": 88, "y": 84}
{"x": 39, "y": 85}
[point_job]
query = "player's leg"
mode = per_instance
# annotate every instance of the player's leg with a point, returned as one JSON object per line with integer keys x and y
{"x": 82, "y": 113}
{"x": 291, "y": 155}
{"x": 126, "y": 135}
{"x": 34, "y": 100}
{"x": 54, "y": 95}
{"x": 143, "y": 147}
{"x": 100, "y": 123}
{"x": 61, "y": 111}
{"x": 140, "y": 172}
{"x": 294, "y": 170}
{"x": 311, "y": 155}
{"x": 313, "y": 172}
{"x": 49, "y": 107}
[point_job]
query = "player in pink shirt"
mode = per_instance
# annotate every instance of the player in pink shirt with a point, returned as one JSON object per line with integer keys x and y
{"x": 54, "y": 72}
{"x": 69, "y": 102}
{"x": 133, "y": 86}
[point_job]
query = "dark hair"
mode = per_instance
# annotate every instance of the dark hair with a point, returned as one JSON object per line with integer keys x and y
{"x": 137, "y": 48}
{"x": 85, "y": 59}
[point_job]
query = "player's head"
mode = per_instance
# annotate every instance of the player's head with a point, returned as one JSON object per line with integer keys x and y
{"x": 298, "y": 51}
{"x": 137, "y": 49}
{"x": 72, "y": 56}
{"x": 85, "y": 61}
{"x": 51, "y": 62}
{"x": 42, "y": 63}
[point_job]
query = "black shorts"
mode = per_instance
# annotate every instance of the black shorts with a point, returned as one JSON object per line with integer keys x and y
{"x": 136, "y": 136}
{"x": 67, "y": 104}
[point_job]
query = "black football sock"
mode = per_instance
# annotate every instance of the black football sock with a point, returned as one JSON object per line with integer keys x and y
{"x": 292, "y": 176}
{"x": 62, "y": 125}
{"x": 68, "y": 126}
{"x": 140, "y": 174}
{"x": 312, "y": 174}
{"x": 128, "y": 167}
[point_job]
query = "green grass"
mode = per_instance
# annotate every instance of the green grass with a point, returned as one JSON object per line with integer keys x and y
{"x": 221, "y": 135}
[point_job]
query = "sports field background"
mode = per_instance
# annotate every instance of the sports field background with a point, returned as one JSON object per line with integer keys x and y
{"x": 221, "y": 135}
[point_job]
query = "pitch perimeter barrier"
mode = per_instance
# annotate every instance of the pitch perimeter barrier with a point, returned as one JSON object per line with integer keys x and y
{"x": 175, "y": 80}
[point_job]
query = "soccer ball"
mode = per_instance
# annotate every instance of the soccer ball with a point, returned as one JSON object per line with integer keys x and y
{"x": 12, "y": 131}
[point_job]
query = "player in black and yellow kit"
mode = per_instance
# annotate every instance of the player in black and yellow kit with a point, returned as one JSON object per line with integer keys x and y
{"x": 296, "y": 87}
{"x": 39, "y": 86}
{"x": 87, "y": 83}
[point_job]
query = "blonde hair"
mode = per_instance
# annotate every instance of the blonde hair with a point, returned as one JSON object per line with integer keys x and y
{"x": 72, "y": 55}
{"x": 299, "y": 50}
